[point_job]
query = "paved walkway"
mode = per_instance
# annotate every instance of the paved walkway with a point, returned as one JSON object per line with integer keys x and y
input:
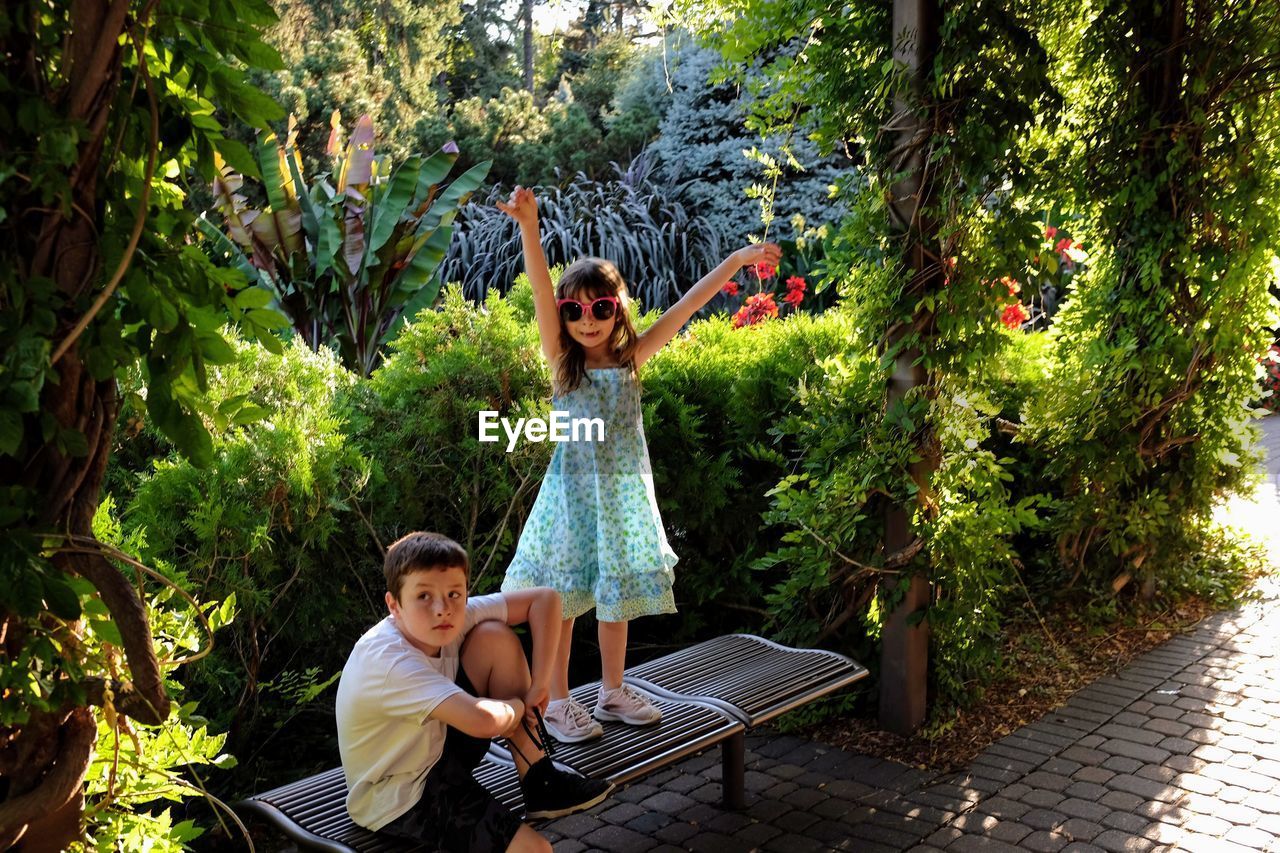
{"x": 1179, "y": 751}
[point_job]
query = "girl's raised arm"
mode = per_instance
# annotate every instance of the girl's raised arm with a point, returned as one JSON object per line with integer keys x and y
{"x": 523, "y": 208}
{"x": 673, "y": 319}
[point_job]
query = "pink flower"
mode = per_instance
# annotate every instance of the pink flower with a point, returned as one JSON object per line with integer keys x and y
{"x": 730, "y": 289}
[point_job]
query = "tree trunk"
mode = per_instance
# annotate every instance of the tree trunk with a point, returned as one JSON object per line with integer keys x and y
{"x": 43, "y": 762}
{"x": 905, "y": 653}
{"x": 527, "y": 17}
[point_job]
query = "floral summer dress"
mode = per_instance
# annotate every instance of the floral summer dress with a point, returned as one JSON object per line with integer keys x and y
{"x": 595, "y": 534}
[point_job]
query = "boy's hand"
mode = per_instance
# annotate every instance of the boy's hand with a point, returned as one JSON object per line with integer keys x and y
{"x": 522, "y": 207}
{"x": 758, "y": 253}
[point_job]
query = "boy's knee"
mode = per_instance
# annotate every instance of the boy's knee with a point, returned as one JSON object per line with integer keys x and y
{"x": 492, "y": 640}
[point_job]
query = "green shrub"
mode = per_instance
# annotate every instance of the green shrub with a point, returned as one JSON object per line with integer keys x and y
{"x": 276, "y": 520}
{"x": 418, "y": 419}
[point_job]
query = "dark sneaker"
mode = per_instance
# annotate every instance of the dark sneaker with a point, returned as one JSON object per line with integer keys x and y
{"x": 550, "y": 791}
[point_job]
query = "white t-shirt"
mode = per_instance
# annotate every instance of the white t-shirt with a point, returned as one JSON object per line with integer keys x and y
{"x": 386, "y": 736}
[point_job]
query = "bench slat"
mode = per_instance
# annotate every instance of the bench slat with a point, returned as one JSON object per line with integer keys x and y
{"x": 750, "y": 677}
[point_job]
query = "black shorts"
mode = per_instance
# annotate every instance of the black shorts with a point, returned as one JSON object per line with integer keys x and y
{"x": 456, "y": 813}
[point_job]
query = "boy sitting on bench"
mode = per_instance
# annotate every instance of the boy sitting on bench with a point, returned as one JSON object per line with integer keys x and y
{"x": 427, "y": 687}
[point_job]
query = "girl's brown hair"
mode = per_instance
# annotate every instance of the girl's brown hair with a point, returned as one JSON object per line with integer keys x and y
{"x": 585, "y": 279}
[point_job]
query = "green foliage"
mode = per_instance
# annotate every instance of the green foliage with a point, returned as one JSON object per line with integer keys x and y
{"x": 716, "y": 401}
{"x": 136, "y": 768}
{"x": 660, "y": 248}
{"x": 275, "y": 521}
{"x": 357, "y": 58}
{"x": 1144, "y": 420}
{"x": 105, "y": 124}
{"x": 345, "y": 261}
{"x": 704, "y": 143}
{"x": 418, "y": 419}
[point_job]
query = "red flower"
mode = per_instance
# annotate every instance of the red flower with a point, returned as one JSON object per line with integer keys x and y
{"x": 796, "y": 283}
{"x": 764, "y": 270}
{"x": 1062, "y": 245}
{"x": 730, "y": 289}
{"x": 1011, "y": 284}
{"x": 1050, "y": 233}
{"x": 758, "y": 307}
{"x": 1014, "y": 315}
{"x": 794, "y": 297}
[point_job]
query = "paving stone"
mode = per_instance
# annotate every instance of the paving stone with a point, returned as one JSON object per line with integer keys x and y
{"x": 1169, "y": 728}
{"x": 676, "y": 833}
{"x": 1121, "y": 800}
{"x": 1087, "y": 809}
{"x": 637, "y": 791}
{"x": 1042, "y": 818}
{"x": 888, "y": 836}
{"x": 1041, "y": 798}
{"x": 618, "y": 839}
{"x": 1115, "y": 841}
{"x": 1132, "y": 734}
{"x": 1003, "y": 808}
{"x": 1079, "y": 829}
{"x": 1251, "y": 837}
{"x": 1043, "y": 842}
{"x": 1048, "y": 781}
{"x": 1081, "y": 847}
{"x": 1009, "y": 832}
{"x": 1145, "y": 788}
{"x": 569, "y": 845}
{"x": 668, "y": 802}
{"x": 1125, "y": 822}
{"x": 794, "y": 821}
{"x": 1157, "y": 773}
{"x": 980, "y": 844}
{"x": 622, "y": 813}
{"x": 1085, "y": 756}
{"x": 1096, "y": 775}
{"x": 1061, "y": 766}
{"x": 575, "y": 826}
{"x": 650, "y": 822}
{"x": 1140, "y": 752}
{"x": 1088, "y": 790}
{"x": 1207, "y": 825}
{"x": 943, "y": 837}
{"x": 1122, "y": 764}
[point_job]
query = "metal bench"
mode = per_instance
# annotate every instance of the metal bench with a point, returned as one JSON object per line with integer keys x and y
{"x": 709, "y": 694}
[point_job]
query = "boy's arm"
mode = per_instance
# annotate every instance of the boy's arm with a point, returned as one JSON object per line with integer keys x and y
{"x": 483, "y": 718}
{"x": 673, "y": 319}
{"x": 523, "y": 208}
{"x": 540, "y": 607}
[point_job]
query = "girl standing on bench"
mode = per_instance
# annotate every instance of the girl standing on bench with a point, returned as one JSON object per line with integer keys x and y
{"x": 595, "y": 534}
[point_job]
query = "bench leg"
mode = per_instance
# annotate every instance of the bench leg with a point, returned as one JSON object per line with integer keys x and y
{"x": 733, "y": 771}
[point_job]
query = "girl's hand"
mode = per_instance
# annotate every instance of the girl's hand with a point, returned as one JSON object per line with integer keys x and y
{"x": 758, "y": 253}
{"x": 522, "y": 207}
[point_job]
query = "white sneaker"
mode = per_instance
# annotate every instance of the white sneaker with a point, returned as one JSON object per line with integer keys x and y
{"x": 569, "y": 721}
{"x": 625, "y": 705}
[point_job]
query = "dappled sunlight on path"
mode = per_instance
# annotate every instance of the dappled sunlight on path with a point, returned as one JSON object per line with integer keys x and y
{"x": 1259, "y": 514}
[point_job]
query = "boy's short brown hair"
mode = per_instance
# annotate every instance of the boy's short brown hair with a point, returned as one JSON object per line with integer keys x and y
{"x": 421, "y": 551}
